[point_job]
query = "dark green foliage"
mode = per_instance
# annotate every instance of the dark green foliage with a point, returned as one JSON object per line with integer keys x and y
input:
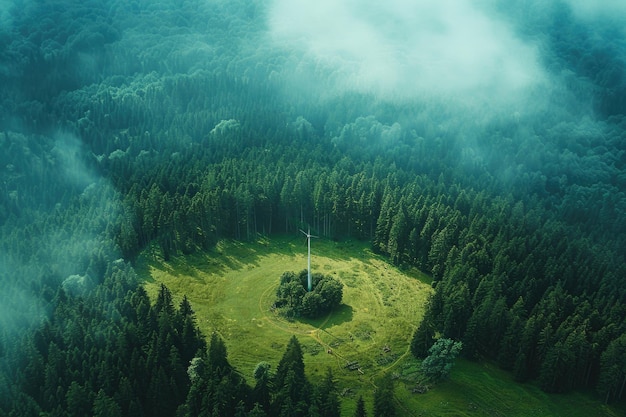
{"x": 261, "y": 394}
{"x": 508, "y": 345}
{"x": 257, "y": 411}
{"x": 612, "y": 383}
{"x": 78, "y": 400}
{"x": 106, "y": 356}
{"x": 360, "y": 408}
{"x": 326, "y": 396}
{"x": 422, "y": 340}
{"x": 383, "y": 398}
{"x": 292, "y": 391}
{"x": 440, "y": 359}
{"x": 293, "y": 299}
{"x": 217, "y": 365}
{"x": 120, "y": 130}
{"x": 216, "y": 387}
{"x": 423, "y": 337}
{"x": 104, "y": 406}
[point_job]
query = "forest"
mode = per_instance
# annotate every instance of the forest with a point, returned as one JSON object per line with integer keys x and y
{"x": 483, "y": 143}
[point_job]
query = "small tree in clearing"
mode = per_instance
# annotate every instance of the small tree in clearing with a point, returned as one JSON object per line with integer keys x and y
{"x": 293, "y": 299}
{"x": 440, "y": 359}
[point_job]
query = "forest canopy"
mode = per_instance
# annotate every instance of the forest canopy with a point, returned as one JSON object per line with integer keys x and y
{"x": 482, "y": 143}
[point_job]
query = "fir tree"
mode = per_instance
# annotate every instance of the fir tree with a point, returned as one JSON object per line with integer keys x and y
{"x": 292, "y": 390}
{"x": 383, "y": 398}
{"x": 360, "y": 408}
{"x": 327, "y": 398}
{"x": 441, "y": 358}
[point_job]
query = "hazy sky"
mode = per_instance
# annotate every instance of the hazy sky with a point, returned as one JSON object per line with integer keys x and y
{"x": 410, "y": 47}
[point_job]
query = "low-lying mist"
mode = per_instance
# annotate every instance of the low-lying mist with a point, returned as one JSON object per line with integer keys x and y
{"x": 54, "y": 225}
{"x": 604, "y": 9}
{"x": 170, "y": 125}
{"x": 401, "y": 49}
{"x": 501, "y": 80}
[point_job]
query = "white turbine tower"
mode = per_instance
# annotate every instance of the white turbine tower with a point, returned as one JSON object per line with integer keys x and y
{"x": 308, "y": 239}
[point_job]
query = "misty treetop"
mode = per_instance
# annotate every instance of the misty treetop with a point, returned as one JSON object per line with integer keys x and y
{"x": 499, "y": 170}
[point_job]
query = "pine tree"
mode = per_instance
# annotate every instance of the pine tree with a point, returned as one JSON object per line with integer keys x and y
{"x": 105, "y": 406}
{"x": 327, "y": 399}
{"x": 185, "y": 309}
{"x": 257, "y": 411}
{"x": 360, "y": 408}
{"x": 164, "y": 302}
{"x": 441, "y": 359}
{"x": 510, "y": 342}
{"x": 78, "y": 400}
{"x": 424, "y": 337}
{"x": 292, "y": 390}
{"x": 262, "y": 390}
{"x": 398, "y": 236}
{"x": 218, "y": 365}
{"x": 384, "y": 222}
{"x": 612, "y": 383}
{"x": 383, "y": 398}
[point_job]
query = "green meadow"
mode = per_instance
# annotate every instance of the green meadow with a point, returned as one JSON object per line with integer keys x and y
{"x": 232, "y": 289}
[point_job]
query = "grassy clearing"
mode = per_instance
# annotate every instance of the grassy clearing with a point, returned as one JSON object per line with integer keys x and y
{"x": 233, "y": 287}
{"x": 482, "y": 389}
{"x": 232, "y": 290}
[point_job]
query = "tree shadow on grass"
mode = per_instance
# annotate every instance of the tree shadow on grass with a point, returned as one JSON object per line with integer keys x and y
{"x": 227, "y": 255}
{"x": 340, "y": 315}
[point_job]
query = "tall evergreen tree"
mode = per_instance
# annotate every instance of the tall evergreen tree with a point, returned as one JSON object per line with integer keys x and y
{"x": 383, "y": 398}
{"x": 217, "y": 365}
{"x": 105, "y": 406}
{"x": 441, "y": 358}
{"x": 612, "y": 383}
{"x": 360, "y": 408}
{"x": 261, "y": 393}
{"x": 423, "y": 337}
{"x": 327, "y": 398}
{"x": 291, "y": 388}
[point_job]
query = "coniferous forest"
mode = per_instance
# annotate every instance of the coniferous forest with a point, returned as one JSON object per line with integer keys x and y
{"x": 483, "y": 143}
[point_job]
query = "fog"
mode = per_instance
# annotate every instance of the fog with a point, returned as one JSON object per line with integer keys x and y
{"x": 454, "y": 63}
{"x": 102, "y": 101}
{"x": 409, "y": 49}
{"x": 5, "y": 12}
{"x": 55, "y": 231}
{"x": 605, "y": 9}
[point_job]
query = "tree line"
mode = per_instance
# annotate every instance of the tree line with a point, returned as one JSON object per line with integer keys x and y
{"x": 116, "y": 353}
{"x": 109, "y": 145}
{"x": 502, "y": 262}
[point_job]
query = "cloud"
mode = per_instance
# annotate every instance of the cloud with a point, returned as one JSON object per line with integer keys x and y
{"x": 404, "y": 48}
{"x": 60, "y": 229}
{"x": 6, "y": 7}
{"x": 78, "y": 285}
{"x": 68, "y": 150}
{"x": 586, "y": 9}
{"x": 225, "y": 126}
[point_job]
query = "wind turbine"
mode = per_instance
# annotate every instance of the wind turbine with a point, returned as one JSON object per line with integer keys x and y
{"x": 308, "y": 239}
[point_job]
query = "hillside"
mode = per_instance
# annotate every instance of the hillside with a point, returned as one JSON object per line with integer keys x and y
{"x": 481, "y": 143}
{"x": 232, "y": 289}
